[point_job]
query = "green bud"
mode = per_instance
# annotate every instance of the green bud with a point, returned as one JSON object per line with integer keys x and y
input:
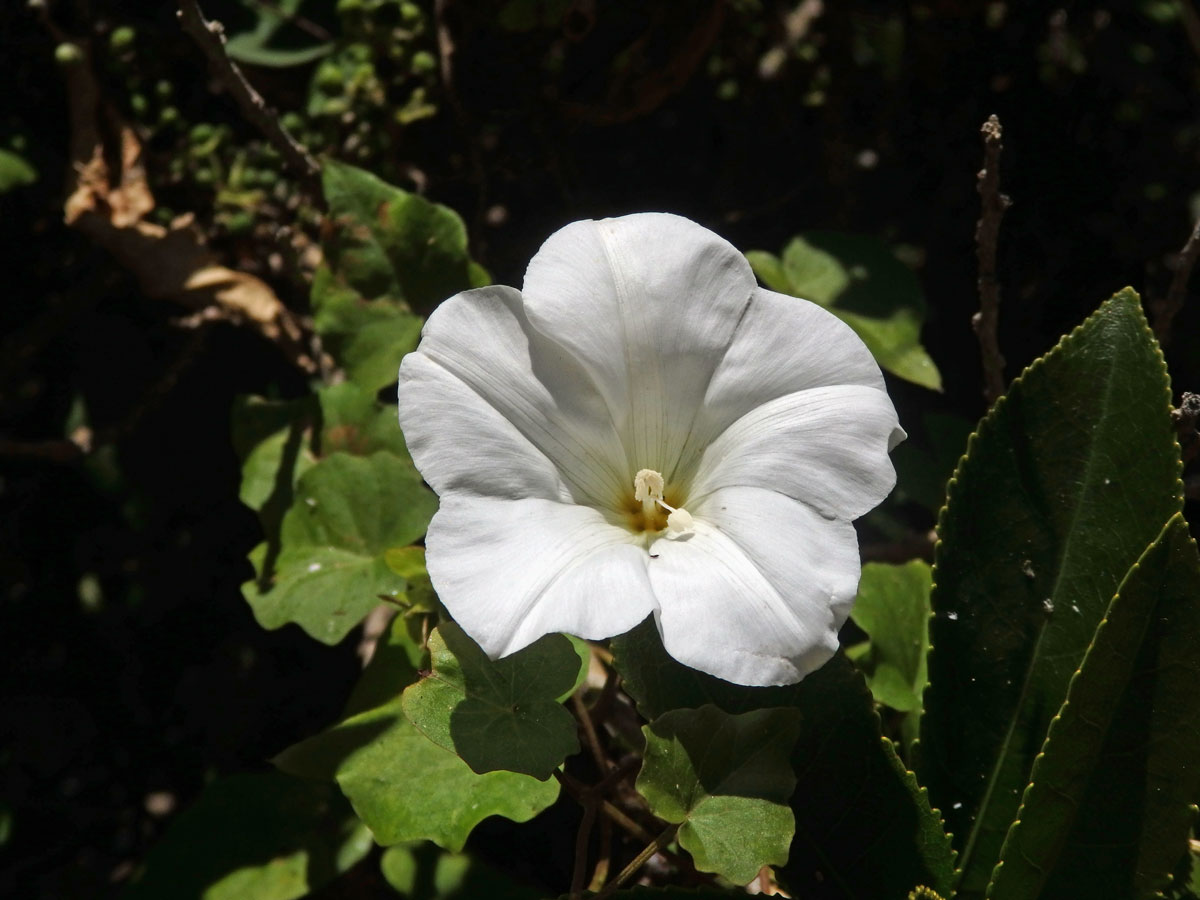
{"x": 423, "y": 62}
{"x": 121, "y": 39}
{"x": 139, "y": 104}
{"x": 410, "y": 13}
{"x": 68, "y": 54}
{"x": 168, "y": 115}
{"x": 201, "y": 133}
{"x": 163, "y": 89}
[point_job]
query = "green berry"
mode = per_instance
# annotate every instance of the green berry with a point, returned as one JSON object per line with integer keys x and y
{"x": 67, "y": 54}
{"x": 121, "y": 39}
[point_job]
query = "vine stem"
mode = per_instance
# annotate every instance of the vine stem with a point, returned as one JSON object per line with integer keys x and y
{"x": 655, "y": 846}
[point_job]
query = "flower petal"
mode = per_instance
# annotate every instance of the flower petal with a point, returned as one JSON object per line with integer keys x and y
{"x": 648, "y": 303}
{"x": 510, "y": 571}
{"x": 826, "y": 446}
{"x": 783, "y": 345}
{"x": 757, "y": 593}
{"x": 488, "y": 406}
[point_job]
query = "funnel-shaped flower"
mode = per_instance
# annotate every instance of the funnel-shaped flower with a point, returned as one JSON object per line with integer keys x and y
{"x": 642, "y": 430}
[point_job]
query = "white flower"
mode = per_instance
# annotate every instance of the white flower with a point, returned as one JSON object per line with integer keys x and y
{"x": 642, "y": 430}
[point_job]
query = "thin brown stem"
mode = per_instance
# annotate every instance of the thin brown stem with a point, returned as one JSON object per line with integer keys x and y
{"x": 211, "y": 38}
{"x": 603, "y": 763}
{"x": 582, "y": 838}
{"x": 604, "y": 862}
{"x": 987, "y": 233}
{"x": 1166, "y": 309}
{"x": 655, "y": 846}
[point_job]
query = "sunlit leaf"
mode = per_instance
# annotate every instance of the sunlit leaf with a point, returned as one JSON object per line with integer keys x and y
{"x": 330, "y": 571}
{"x": 860, "y": 281}
{"x": 726, "y": 780}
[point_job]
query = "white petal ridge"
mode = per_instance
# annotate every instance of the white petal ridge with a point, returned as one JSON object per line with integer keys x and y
{"x": 489, "y": 407}
{"x": 648, "y": 305}
{"x": 510, "y": 571}
{"x": 758, "y": 592}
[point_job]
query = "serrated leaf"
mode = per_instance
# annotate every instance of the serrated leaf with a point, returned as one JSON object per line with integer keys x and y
{"x": 497, "y": 714}
{"x": 1118, "y": 768}
{"x": 864, "y": 829}
{"x": 860, "y": 281}
{"x": 725, "y": 779}
{"x": 270, "y": 836}
{"x": 892, "y": 607}
{"x": 1067, "y": 480}
{"x": 407, "y": 788}
{"x": 330, "y": 571}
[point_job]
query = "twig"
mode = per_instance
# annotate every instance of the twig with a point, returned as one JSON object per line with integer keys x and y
{"x": 582, "y": 838}
{"x": 603, "y": 763}
{"x": 655, "y": 846}
{"x": 604, "y": 862}
{"x": 211, "y": 38}
{"x": 1166, "y": 309}
{"x": 987, "y": 232}
{"x": 1186, "y": 417}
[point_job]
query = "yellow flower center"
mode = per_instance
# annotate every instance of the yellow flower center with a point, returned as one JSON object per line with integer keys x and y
{"x": 652, "y": 512}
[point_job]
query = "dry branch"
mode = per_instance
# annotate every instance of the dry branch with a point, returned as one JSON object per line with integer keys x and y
{"x": 987, "y": 233}
{"x": 1166, "y": 309}
{"x": 211, "y": 38}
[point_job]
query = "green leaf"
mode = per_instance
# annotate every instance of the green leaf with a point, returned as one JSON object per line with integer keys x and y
{"x": 386, "y": 242}
{"x": 15, "y": 171}
{"x": 426, "y": 872}
{"x": 893, "y": 609}
{"x": 407, "y": 788}
{"x": 676, "y": 893}
{"x": 726, "y": 780}
{"x": 864, "y": 828}
{"x": 860, "y": 281}
{"x": 270, "y": 837}
{"x": 1118, "y": 768}
{"x": 368, "y": 337}
{"x": 330, "y": 571}
{"x": 1068, "y": 478}
{"x": 353, "y": 421}
{"x": 501, "y": 714}
{"x": 394, "y": 666}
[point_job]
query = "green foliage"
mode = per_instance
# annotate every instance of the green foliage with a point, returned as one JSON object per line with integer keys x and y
{"x": 859, "y": 280}
{"x": 726, "y": 780}
{"x": 1069, "y": 477}
{"x": 864, "y": 827}
{"x": 330, "y": 571}
{"x": 1131, "y": 707}
{"x": 387, "y": 252}
{"x": 407, "y": 788}
{"x": 502, "y": 714}
{"x": 15, "y": 171}
{"x": 892, "y": 607}
{"x": 424, "y": 872}
{"x": 269, "y": 837}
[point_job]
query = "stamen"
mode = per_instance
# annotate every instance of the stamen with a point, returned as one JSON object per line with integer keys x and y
{"x": 648, "y": 490}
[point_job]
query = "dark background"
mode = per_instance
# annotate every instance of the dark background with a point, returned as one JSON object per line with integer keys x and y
{"x": 133, "y": 671}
